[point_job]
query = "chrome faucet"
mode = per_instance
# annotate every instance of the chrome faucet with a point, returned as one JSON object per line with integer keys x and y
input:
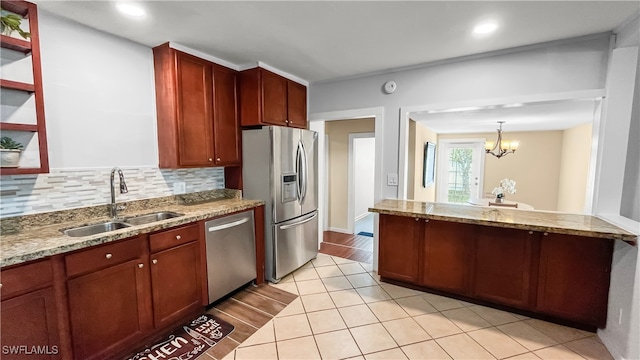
{"x": 113, "y": 209}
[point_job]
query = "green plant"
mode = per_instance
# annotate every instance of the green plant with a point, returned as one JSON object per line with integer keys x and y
{"x": 9, "y": 144}
{"x": 12, "y": 21}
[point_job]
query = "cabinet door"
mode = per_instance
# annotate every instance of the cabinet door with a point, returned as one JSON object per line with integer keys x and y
{"x": 274, "y": 99}
{"x": 30, "y": 320}
{"x": 446, "y": 255}
{"x": 226, "y": 130}
{"x": 503, "y": 265}
{"x": 574, "y": 277}
{"x": 195, "y": 111}
{"x": 109, "y": 309}
{"x": 296, "y": 104}
{"x": 399, "y": 247}
{"x": 176, "y": 282}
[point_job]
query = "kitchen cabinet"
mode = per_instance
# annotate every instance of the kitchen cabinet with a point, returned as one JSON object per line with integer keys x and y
{"x": 446, "y": 255}
{"x": 176, "y": 274}
{"x": 562, "y": 276}
{"x": 17, "y": 89}
{"x": 196, "y": 110}
{"x": 267, "y": 98}
{"x": 399, "y": 248}
{"x": 109, "y": 303}
{"x": 28, "y": 311}
{"x": 574, "y": 275}
{"x": 502, "y": 265}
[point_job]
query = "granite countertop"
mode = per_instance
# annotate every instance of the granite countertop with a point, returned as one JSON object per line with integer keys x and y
{"x": 560, "y": 223}
{"x": 30, "y": 237}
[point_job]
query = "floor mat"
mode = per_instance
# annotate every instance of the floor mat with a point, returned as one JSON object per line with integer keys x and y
{"x": 188, "y": 340}
{"x": 364, "y": 233}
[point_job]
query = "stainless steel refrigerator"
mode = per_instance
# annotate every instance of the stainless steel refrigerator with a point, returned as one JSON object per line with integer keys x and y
{"x": 280, "y": 166}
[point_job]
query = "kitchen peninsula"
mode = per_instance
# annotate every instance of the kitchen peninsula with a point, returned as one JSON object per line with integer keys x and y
{"x": 553, "y": 265}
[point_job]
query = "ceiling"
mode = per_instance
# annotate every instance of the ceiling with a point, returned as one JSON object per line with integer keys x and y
{"x": 324, "y": 40}
{"x": 539, "y": 116}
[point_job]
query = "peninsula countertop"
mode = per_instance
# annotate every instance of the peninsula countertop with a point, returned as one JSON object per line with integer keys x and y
{"x": 561, "y": 223}
{"x": 32, "y": 237}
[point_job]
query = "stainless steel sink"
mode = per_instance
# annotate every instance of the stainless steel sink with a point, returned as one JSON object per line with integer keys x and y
{"x": 96, "y": 228}
{"x": 149, "y": 218}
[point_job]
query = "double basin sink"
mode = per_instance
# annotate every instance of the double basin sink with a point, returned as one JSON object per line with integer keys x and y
{"x": 120, "y": 224}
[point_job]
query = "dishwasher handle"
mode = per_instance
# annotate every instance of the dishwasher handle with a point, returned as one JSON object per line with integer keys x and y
{"x": 229, "y": 225}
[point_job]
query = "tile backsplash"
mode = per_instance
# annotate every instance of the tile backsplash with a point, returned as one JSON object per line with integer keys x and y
{"x": 66, "y": 189}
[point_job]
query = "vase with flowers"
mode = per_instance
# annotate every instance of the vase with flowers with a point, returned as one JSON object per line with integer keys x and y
{"x": 506, "y": 186}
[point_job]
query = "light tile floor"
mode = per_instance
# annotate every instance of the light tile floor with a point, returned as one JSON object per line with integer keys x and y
{"x": 344, "y": 312}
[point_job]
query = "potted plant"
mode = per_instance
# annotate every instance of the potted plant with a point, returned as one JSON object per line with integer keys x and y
{"x": 9, "y": 152}
{"x": 506, "y": 185}
{"x": 10, "y": 23}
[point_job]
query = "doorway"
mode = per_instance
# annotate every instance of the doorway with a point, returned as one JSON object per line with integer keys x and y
{"x": 361, "y": 183}
{"x": 460, "y": 170}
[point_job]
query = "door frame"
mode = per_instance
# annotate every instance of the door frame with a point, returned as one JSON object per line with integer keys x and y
{"x": 442, "y": 160}
{"x": 351, "y": 202}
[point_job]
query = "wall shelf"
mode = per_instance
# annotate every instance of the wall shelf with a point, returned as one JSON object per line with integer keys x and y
{"x": 30, "y": 48}
{"x": 18, "y": 127}
{"x": 16, "y": 85}
{"x": 15, "y": 44}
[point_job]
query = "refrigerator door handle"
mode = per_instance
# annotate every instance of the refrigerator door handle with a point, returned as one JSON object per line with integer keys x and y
{"x": 299, "y": 155}
{"x": 305, "y": 172}
{"x": 308, "y": 218}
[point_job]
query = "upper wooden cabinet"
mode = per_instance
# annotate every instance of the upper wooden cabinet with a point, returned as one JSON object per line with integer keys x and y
{"x": 197, "y": 111}
{"x": 270, "y": 99}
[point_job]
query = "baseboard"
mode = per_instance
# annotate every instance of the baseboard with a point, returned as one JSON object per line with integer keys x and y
{"x": 343, "y": 231}
{"x": 362, "y": 216}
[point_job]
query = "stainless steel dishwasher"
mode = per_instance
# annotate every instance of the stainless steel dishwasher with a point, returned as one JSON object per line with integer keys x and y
{"x": 231, "y": 253}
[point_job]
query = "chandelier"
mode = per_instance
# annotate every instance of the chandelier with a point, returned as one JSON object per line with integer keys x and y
{"x": 500, "y": 147}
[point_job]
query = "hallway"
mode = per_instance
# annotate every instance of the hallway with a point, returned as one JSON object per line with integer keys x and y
{"x": 349, "y": 246}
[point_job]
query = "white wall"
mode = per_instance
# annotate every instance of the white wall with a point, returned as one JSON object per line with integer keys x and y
{"x": 363, "y": 166}
{"x": 558, "y": 67}
{"x": 622, "y": 333}
{"x": 99, "y": 97}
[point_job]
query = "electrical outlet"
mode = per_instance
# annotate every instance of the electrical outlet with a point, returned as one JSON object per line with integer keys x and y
{"x": 392, "y": 179}
{"x": 179, "y": 187}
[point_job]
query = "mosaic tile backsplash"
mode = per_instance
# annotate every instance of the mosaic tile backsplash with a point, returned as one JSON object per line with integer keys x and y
{"x": 67, "y": 189}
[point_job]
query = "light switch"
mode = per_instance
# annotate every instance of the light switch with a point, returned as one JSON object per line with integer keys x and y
{"x": 179, "y": 187}
{"x": 392, "y": 179}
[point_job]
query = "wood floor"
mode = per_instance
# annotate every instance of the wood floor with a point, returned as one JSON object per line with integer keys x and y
{"x": 247, "y": 310}
{"x": 348, "y": 246}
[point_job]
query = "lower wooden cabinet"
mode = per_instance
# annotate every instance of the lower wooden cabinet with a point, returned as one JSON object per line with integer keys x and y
{"x": 563, "y": 276}
{"x": 446, "y": 256}
{"x": 574, "y": 277}
{"x": 502, "y": 265}
{"x": 109, "y": 296}
{"x": 109, "y": 308}
{"x": 29, "y": 321}
{"x": 175, "y": 280}
{"x": 399, "y": 248}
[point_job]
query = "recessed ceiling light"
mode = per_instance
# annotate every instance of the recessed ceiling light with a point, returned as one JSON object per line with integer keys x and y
{"x": 131, "y": 9}
{"x": 485, "y": 28}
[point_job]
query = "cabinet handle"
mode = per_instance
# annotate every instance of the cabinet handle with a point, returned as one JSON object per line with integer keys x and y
{"x": 530, "y": 232}
{"x": 109, "y": 256}
{"x": 417, "y": 219}
{"x": 217, "y": 159}
{"x": 210, "y": 159}
{"x": 140, "y": 266}
{"x": 545, "y": 234}
{"x": 155, "y": 261}
{"x": 426, "y": 220}
{"x": 178, "y": 237}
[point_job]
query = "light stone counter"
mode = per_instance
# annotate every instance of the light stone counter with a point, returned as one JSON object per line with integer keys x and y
{"x": 560, "y": 223}
{"x": 30, "y": 237}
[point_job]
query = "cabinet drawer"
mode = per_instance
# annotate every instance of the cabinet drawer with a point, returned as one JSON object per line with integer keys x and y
{"x": 25, "y": 278}
{"x": 170, "y": 238}
{"x": 101, "y": 257}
